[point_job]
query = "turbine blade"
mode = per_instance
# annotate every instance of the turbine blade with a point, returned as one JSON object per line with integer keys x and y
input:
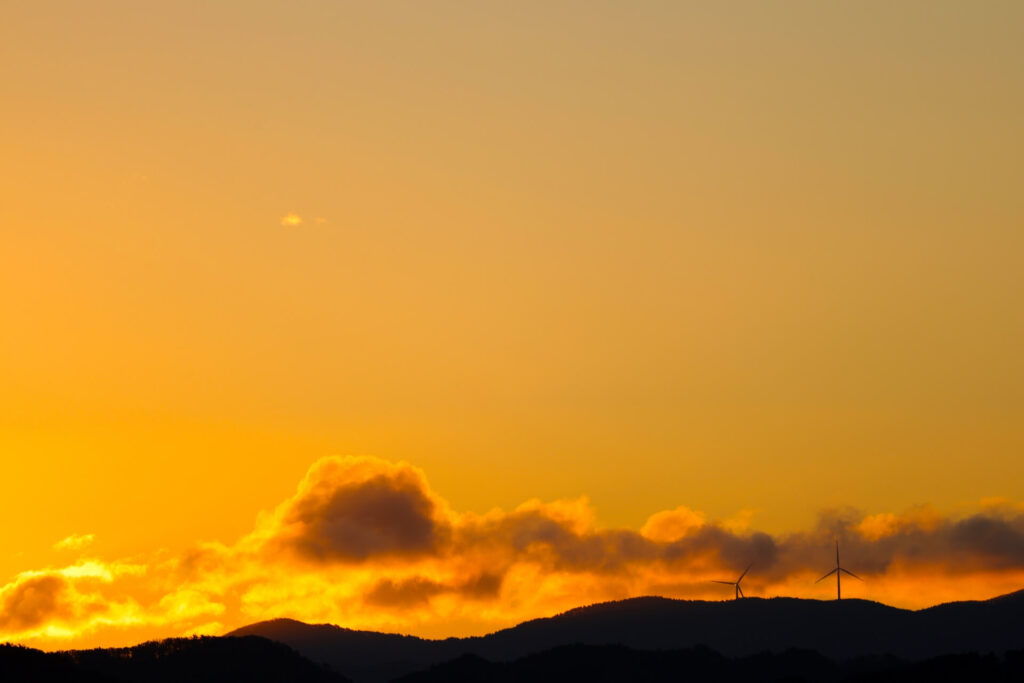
{"x": 740, "y": 590}
{"x": 745, "y": 572}
{"x": 827, "y": 575}
{"x": 727, "y": 583}
{"x": 847, "y": 571}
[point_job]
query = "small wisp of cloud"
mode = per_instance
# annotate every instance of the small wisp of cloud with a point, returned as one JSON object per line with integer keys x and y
{"x": 291, "y": 220}
{"x": 74, "y": 542}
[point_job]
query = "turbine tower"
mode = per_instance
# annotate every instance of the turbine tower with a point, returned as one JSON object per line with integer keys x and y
{"x": 736, "y": 583}
{"x": 838, "y": 571}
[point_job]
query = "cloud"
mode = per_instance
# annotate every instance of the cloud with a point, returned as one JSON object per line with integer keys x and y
{"x": 355, "y": 509}
{"x": 33, "y": 601}
{"x": 983, "y": 541}
{"x": 368, "y": 543}
{"x": 63, "y": 602}
{"x": 403, "y": 593}
{"x": 417, "y": 591}
{"x": 291, "y": 220}
{"x": 74, "y": 542}
{"x": 671, "y": 525}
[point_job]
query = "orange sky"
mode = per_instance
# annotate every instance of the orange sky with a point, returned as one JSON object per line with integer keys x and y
{"x": 758, "y": 261}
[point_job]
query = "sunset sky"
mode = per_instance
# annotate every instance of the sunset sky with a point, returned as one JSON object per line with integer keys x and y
{"x": 435, "y": 316}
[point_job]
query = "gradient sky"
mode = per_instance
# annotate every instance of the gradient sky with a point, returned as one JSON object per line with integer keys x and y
{"x": 758, "y": 259}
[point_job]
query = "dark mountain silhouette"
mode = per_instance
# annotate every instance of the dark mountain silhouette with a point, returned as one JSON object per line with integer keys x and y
{"x": 253, "y": 659}
{"x": 615, "y": 663}
{"x": 645, "y": 640}
{"x": 363, "y": 655}
{"x": 197, "y": 660}
{"x": 736, "y": 628}
{"x": 19, "y": 663}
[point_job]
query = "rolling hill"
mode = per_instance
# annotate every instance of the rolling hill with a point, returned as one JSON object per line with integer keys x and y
{"x": 198, "y": 660}
{"x": 739, "y": 628}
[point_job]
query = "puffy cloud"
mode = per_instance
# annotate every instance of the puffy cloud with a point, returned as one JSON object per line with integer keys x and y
{"x": 355, "y": 509}
{"x": 64, "y": 602}
{"x": 987, "y": 540}
{"x": 368, "y": 544}
{"x": 671, "y": 525}
{"x": 33, "y": 601}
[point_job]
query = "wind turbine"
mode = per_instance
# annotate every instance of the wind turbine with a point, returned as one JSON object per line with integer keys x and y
{"x": 736, "y": 583}
{"x": 838, "y": 571}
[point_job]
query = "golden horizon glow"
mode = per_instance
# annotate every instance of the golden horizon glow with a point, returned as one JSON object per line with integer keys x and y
{"x": 368, "y": 544}
{"x": 672, "y": 268}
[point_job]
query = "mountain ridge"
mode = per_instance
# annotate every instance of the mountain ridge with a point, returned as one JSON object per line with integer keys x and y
{"x": 197, "y": 659}
{"x": 736, "y": 628}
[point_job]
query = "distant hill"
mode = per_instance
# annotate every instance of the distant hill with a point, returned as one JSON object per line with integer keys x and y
{"x": 197, "y": 660}
{"x": 737, "y": 628}
{"x": 650, "y": 640}
{"x": 19, "y": 663}
{"x": 615, "y": 663}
